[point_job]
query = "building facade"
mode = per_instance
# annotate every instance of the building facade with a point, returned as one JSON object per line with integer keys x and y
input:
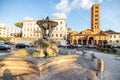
{"x": 93, "y": 36}
{"x": 114, "y": 38}
{"x": 31, "y": 29}
{"x": 8, "y": 32}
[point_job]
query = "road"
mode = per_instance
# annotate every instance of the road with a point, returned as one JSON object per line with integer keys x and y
{"x": 112, "y": 65}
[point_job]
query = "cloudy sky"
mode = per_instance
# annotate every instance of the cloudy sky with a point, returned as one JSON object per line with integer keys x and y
{"x": 76, "y": 12}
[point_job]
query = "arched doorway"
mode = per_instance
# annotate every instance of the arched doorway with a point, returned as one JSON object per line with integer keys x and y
{"x": 84, "y": 42}
{"x": 91, "y": 40}
{"x": 105, "y": 42}
{"x": 75, "y": 41}
{"x": 79, "y": 41}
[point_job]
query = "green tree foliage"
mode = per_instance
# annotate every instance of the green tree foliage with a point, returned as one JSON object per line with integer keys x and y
{"x": 5, "y": 38}
{"x": 19, "y": 24}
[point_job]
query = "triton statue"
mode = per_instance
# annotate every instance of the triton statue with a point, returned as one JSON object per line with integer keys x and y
{"x": 46, "y": 46}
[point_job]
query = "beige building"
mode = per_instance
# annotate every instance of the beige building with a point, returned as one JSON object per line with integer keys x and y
{"x": 7, "y": 31}
{"x": 114, "y": 38}
{"x": 60, "y": 32}
{"x": 93, "y": 36}
{"x": 31, "y": 30}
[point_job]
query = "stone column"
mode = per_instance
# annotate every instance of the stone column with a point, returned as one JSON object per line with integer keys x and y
{"x": 86, "y": 42}
{"x": 82, "y": 42}
{"x": 100, "y": 65}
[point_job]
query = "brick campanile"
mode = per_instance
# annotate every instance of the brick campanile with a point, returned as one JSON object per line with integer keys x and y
{"x": 95, "y": 18}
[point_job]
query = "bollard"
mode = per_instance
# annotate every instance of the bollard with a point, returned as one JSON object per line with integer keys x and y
{"x": 93, "y": 56}
{"x": 100, "y": 65}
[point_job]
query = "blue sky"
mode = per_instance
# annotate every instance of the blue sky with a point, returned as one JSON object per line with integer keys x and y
{"x": 76, "y": 12}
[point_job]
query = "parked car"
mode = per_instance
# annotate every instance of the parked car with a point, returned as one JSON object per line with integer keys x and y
{"x": 108, "y": 46}
{"x": 4, "y": 47}
{"x": 91, "y": 46}
{"x": 79, "y": 46}
{"x": 9, "y": 43}
{"x": 23, "y": 45}
{"x": 72, "y": 46}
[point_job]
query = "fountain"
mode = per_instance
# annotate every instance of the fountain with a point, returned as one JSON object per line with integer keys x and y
{"x": 46, "y": 47}
{"x": 44, "y": 63}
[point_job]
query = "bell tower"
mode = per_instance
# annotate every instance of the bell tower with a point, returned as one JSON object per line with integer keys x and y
{"x": 95, "y": 18}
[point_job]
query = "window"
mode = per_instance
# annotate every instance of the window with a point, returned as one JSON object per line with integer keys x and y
{"x": 96, "y": 11}
{"x": 96, "y": 7}
{"x": 96, "y": 23}
{"x": 117, "y": 41}
{"x": 96, "y": 19}
{"x": 110, "y": 41}
{"x": 60, "y": 35}
{"x": 61, "y": 22}
{"x": 34, "y": 34}
{"x": 96, "y": 15}
{"x": 114, "y": 36}
{"x": 27, "y": 29}
{"x": 56, "y": 35}
{"x": 60, "y": 28}
{"x": 37, "y": 34}
{"x": 99, "y": 37}
{"x": 110, "y": 36}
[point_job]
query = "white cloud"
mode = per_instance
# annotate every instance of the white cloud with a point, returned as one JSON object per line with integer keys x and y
{"x": 65, "y": 6}
{"x": 85, "y": 4}
{"x": 28, "y": 18}
{"x": 59, "y": 15}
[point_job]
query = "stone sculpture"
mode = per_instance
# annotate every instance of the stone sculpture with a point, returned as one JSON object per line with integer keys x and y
{"x": 46, "y": 46}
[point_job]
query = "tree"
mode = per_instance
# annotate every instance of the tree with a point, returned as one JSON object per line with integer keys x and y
{"x": 5, "y": 38}
{"x": 110, "y": 30}
{"x": 20, "y": 25}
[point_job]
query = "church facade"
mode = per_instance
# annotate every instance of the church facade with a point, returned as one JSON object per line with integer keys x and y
{"x": 94, "y": 35}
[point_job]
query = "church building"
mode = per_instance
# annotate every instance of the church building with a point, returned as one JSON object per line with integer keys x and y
{"x": 94, "y": 35}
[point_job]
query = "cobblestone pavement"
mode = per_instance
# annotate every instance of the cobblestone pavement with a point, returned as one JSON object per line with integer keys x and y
{"x": 112, "y": 65}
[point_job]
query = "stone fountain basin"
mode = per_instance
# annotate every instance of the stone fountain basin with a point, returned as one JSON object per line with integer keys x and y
{"x": 54, "y": 68}
{"x": 56, "y": 62}
{"x": 17, "y": 66}
{"x": 64, "y": 68}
